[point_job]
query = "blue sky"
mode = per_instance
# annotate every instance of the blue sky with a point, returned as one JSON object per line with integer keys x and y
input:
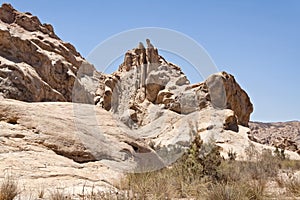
{"x": 257, "y": 41}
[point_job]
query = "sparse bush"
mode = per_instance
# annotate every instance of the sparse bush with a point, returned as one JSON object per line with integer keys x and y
{"x": 201, "y": 173}
{"x": 108, "y": 195}
{"x": 290, "y": 164}
{"x": 59, "y": 195}
{"x": 280, "y": 182}
{"x": 280, "y": 154}
{"x": 150, "y": 184}
{"x": 8, "y": 189}
{"x": 185, "y": 178}
{"x": 231, "y": 155}
{"x": 41, "y": 193}
{"x": 253, "y": 190}
{"x": 251, "y": 152}
{"x": 268, "y": 164}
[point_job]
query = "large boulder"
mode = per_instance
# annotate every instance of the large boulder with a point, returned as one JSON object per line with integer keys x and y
{"x": 225, "y": 92}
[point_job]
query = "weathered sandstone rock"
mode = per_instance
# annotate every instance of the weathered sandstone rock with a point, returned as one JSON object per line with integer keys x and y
{"x": 35, "y": 65}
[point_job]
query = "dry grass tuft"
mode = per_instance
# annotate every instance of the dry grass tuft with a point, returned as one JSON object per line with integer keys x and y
{"x": 293, "y": 186}
{"x": 59, "y": 195}
{"x": 8, "y": 189}
{"x": 224, "y": 191}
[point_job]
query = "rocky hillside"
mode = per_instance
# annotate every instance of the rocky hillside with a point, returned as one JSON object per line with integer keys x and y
{"x": 284, "y": 135}
{"x": 66, "y": 125}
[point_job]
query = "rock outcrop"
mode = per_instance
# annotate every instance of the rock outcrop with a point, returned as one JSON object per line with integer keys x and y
{"x": 225, "y": 92}
{"x": 42, "y": 151}
{"x": 142, "y": 117}
{"x": 35, "y": 65}
{"x": 77, "y": 134}
{"x": 145, "y": 76}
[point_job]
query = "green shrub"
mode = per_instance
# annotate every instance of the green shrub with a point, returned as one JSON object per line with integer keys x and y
{"x": 185, "y": 178}
{"x": 190, "y": 165}
{"x": 210, "y": 159}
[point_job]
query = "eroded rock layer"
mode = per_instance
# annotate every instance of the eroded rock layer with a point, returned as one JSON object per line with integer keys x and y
{"x": 35, "y": 65}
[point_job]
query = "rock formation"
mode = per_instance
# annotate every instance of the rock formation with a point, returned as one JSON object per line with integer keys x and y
{"x": 141, "y": 117}
{"x": 35, "y": 65}
{"x": 145, "y": 76}
{"x": 226, "y": 93}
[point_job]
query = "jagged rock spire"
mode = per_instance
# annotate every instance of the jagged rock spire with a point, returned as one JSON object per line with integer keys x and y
{"x": 140, "y": 56}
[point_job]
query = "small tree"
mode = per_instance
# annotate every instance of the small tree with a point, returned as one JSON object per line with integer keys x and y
{"x": 192, "y": 163}
{"x": 210, "y": 159}
{"x": 202, "y": 159}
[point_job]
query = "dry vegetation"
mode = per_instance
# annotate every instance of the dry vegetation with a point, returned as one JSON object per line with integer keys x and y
{"x": 200, "y": 174}
{"x": 203, "y": 174}
{"x": 8, "y": 189}
{"x": 59, "y": 195}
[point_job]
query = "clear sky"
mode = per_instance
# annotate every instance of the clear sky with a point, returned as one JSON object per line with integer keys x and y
{"x": 258, "y": 41}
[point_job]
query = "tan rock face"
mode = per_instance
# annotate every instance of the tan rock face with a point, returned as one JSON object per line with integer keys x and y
{"x": 35, "y": 65}
{"x": 225, "y": 92}
{"x": 77, "y": 134}
{"x": 40, "y": 161}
